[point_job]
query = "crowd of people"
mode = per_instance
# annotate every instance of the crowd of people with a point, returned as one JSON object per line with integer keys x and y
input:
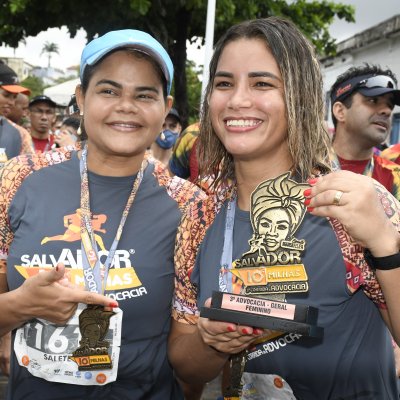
{"x": 118, "y": 230}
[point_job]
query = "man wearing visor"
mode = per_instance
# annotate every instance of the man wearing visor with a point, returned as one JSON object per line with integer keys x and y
{"x": 14, "y": 140}
{"x": 362, "y": 101}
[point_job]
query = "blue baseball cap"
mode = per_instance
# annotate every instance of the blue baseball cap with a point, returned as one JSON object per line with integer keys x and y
{"x": 138, "y": 40}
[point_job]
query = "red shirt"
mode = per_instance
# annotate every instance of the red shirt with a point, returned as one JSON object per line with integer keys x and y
{"x": 42, "y": 145}
{"x": 383, "y": 171}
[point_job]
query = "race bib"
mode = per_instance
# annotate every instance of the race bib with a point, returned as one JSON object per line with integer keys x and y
{"x": 46, "y": 350}
{"x": 261, "y": 387}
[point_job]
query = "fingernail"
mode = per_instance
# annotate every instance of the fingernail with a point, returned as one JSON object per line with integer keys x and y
{"x": 310, "y": 209}
{"x": 307, "y": 192}
{"x": 307, "y": 202}
{"x": 312, "y": 181}
{"x": 113, "y": 304}
{"x": 245, "y": 331}
{"x": 230, "y": 328}
{"x": 257, "y": 331}
{"x": 56, "y": 268}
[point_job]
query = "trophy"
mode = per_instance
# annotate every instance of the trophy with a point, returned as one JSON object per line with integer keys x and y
{"x": 254, "y": 287}
{"x": 262, "y": 313}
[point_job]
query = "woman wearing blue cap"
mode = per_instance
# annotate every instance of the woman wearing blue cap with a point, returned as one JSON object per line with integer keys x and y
{"x": 104, "y": 219}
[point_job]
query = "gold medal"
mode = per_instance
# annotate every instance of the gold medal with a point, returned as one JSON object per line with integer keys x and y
{"x": 92, "y": 353}
{"x": 272, "y": 265}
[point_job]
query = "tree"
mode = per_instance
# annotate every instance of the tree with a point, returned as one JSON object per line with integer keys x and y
{"x": 49, "y": 48}
{"x": 173, "y": 22}
{"x": 194, "y": 90}
{"x": 34, "y": 84}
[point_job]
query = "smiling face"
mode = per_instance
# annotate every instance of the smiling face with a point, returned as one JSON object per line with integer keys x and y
{"x": 124, "y": 109}
{"x": 7, "y": 102}
{"x": 247, "y": 104}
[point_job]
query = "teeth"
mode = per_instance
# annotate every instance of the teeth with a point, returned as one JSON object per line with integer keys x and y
{"x": 242, "y": 122}
{"x": 125, "y": 125}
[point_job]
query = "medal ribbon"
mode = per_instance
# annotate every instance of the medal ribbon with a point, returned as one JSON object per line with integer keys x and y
{"x": 95, "y": 273}
{"x": 226, "y": 257}
{"x": 237, "y": 361}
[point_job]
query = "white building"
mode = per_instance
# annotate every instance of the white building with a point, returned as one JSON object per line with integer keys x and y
{"x": 380, "y": 45}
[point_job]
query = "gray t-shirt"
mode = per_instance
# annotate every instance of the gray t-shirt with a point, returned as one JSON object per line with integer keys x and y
{"x": 10, "y": 139}
{"x": 44, "y": 220}
{"x": 353, "y": 360}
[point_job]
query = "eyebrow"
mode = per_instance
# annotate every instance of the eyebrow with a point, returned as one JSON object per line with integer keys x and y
{"x": 256, "y": 74}
{"x": 119, "y": 86}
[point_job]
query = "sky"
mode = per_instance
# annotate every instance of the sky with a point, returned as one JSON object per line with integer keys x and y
{"x": 368, "y": 13}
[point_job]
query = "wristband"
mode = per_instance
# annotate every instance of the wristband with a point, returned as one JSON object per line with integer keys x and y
{"x": 382, "y": 263}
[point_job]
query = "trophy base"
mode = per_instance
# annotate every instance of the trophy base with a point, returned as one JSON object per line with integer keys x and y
{"x": 263, "y": 313}
{"x": 261, "y": 321}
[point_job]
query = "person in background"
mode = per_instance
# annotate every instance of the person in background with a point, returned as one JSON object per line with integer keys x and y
{"x": 162, "y": 147}
{"x": 73, "y": 111}
{"x": 82, "y": 218}
{"x": 42, "y": 114}
{"x": 14, "y": 139}
{"x": 19, "y": 112}
{"x": 336, "y": 234}
{"x": 57, "y": 122}
{"x": 67, "y": 135}
{"x": 392, "y": 153}
{"x": 183, "y": 161}
{"x": 362, "y": 100}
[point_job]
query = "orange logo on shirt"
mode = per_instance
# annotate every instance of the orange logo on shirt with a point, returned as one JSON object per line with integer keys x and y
{"x": 73, "y": 233}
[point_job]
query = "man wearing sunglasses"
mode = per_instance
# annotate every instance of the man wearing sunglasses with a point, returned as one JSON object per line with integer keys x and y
{"x": 362, "y": 100}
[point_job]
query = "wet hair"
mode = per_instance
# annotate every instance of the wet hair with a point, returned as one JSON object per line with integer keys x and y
{"x": 352, "y": 72}
{"x": 307, "y": 137}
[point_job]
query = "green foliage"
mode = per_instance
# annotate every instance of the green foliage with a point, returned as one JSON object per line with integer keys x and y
{"x": 193, "y": 90}
{"x": 172, "y": 22}
{"x": 63, "y": 79}
{"x": 140, "y": 6}
{"x": 35, "y": 85}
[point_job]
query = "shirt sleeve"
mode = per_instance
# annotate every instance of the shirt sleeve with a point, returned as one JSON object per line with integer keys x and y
{"x": 358, "y": 273}
{"x": 26, "y": 140}
{"x": 9, "y": 181}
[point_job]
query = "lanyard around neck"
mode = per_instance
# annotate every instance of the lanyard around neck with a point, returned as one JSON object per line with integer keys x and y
{"x": 96, "y": 273}
{"x": 227, "y": 252}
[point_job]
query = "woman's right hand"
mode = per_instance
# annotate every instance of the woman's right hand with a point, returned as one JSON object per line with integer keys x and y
{"x": 50, "y": 296}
